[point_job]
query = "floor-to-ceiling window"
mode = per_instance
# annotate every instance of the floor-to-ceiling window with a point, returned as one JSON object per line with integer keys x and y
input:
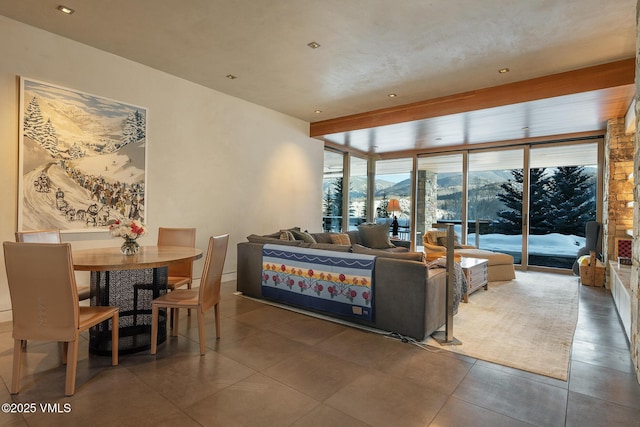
{"x": 495, "y": 200}
{"x": 530, "y": 201}
{"x": 562, "y": 199}
{"x": 439, "y": 192}
{"x": 332, "y": 191}
{"x": 358, "y": 191}
{"x": 393, "y": 194}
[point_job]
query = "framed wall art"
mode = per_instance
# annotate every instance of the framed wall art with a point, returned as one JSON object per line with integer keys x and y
{"x": 82, "y": 159}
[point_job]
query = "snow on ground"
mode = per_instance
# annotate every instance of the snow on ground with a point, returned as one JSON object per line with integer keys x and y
{"x": 549, "y": 244}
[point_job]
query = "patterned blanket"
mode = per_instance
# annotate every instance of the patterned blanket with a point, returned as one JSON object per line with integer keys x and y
{"x": 334, "y": 282}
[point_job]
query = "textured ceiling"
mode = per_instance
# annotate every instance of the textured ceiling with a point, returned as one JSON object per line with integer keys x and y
{"x": 417, "y": 49}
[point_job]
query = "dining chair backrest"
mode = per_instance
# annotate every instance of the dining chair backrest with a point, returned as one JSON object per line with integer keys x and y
{"x": 212, "y": 272}
{"x": 44, "y": 298}
{"x": 39, "y": 236}
{"x": 178, "y": 237}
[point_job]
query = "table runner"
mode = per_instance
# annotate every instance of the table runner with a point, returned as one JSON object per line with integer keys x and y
{"x": 335, "y": 282}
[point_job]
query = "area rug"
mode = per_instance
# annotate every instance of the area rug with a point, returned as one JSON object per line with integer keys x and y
{"x": 527, "y": 323}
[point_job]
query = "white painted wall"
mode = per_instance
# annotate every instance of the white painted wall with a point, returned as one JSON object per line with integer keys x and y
{"x": 215, "y": 162}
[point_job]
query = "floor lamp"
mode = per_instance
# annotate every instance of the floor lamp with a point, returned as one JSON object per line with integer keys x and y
{"x": 446, "y": 337}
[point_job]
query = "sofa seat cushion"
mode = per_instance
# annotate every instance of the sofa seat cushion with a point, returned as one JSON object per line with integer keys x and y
{"x": 495, "y": 258}
{"x": 387, "y": 253}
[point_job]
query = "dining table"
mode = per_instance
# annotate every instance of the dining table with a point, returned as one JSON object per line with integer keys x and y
{"x": 129, "y": 282}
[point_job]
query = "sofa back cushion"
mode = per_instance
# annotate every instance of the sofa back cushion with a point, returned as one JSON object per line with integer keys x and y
{"x": 303, "y": 235}
{"x": 254, "y": 238}
{"x": 409, "y": 256}
{"x": 375, "y": 236}
{"x": 340, "y": 239}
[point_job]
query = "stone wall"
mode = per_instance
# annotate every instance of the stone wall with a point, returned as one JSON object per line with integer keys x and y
{"x": 426, "y": 213}
{"x": 618, "y": 188}
{"x": 635, "y": 305}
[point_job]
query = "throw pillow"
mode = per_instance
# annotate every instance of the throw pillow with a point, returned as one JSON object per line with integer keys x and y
{"x": 410, "y": 256}
{"x": 340, "y": 239}
{"x": 286, "y": 235}
{"x": 375, "y": 236}
{"x": 303, "y": 235}
{"x": 442, "y": 241}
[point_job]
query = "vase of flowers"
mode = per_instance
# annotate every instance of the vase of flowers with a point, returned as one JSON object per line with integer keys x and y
{"x": 129, "y": 230}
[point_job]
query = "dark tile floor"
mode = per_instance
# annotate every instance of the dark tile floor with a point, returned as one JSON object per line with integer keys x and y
{"x": 274, "y": 367}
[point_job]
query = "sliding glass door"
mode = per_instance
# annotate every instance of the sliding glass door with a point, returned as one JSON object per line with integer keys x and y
{"x": 562, "y": 199}
{"x": 358, "y": 191}
{"x": 393, "y": 190}
{"x": 332, "y": 198}
{"x": 496, "y": 201}
{"x": 440, "y": 193}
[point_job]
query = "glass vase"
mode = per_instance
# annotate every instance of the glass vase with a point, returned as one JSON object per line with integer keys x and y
{"x": 130, "y": 247}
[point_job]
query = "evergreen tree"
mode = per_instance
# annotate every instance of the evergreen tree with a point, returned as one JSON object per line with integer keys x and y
{"x": 33, "y": 121}
{"x": 382, "y": 207}
{"x": 337, "y": 197}
{"x": 510, "y": 221}
{"x": 75, "y": 152}
{"x": 141, "y": 126}
{"x": 572, "y": 201}
{"x": 49, "y": 138}
{"x": 539, "y": 204}
{"x": 129, "y": 130}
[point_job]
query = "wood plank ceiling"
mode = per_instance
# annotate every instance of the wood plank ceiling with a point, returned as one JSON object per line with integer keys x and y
{"x": 565, "y": 105}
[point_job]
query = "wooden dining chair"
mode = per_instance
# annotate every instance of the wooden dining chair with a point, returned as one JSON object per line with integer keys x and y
{"x": 50, "y": 236}
{"x": 179, "y": 273}
{"x": 201, "y": 299}
{"x": 44, "y": 303}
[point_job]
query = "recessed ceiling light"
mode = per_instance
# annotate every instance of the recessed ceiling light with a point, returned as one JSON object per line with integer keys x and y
{"x": 313, "y": 45}
{"x": 439, "y": 138}
{"x": 503, "y": 70}
{"x": 231, "y": 77}
{"x": 392, "y": 95}
{"x": 318, "y": 111}
{"x": 525, "y": 128}
{"x": 65, "y": 9}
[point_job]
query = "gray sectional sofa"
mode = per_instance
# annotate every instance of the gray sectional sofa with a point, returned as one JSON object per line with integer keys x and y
{"x": 410, "y": 298}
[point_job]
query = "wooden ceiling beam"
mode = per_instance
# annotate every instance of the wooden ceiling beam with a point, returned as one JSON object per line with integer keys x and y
{"x": 583, "y": 80}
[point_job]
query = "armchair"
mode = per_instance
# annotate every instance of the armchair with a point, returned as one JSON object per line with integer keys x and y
{"x": 500, "y": 265}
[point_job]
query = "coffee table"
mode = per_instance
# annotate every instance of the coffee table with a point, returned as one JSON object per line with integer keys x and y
{"x": 475, "y": 270}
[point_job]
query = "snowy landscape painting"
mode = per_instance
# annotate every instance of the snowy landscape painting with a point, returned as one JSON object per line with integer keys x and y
{"x": 82, "y": 159}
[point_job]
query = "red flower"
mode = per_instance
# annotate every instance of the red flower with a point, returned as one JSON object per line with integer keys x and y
{"x": 320, "y": 288}
{"x": 365, "y": 295}
{"x": 353, "y": 293}
{"x": 342, "y": 277}
{"x": 283, "y": 267}
{"x": 291, "y": 282}
{"x": 310, "y": 273}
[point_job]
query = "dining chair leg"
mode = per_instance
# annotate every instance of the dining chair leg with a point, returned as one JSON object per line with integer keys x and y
{"x": 154, "y": 328}
{"x": 72, "y": 365}
{"x": 176, "y": 318}
{"x": 115, "y": 334}
{"x": 17, "y": 363}
{"x": 216, "y": 311}
{"x": 65, "y": 348}
{"x": 188, "y": 309}
{"x": 201, "y": 336}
